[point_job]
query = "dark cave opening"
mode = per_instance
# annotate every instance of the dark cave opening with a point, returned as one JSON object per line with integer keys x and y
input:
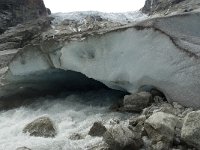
{"x": 52, "y": 82}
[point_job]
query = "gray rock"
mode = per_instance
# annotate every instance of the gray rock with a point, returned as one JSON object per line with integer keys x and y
{"x": 7, "y": 56}
{"x": 156, "y": 94}
{"x": 160, "y": 146}
{"x": 98, "y": 129}
{"x": 159, "y": 107}
{"x": 136, "y": 102}
{"x": 174, "y": 109}
{"x": 161, "y": 127}
{"x": 42, "y": 127}
{"x": 158, "y": 5}
{"x": 169, "y": 6}
{"x": 76, "y": 136}
{"x": 190, "y": 132}
{"x": 121, "y": 138}
{"x": 9, "y": 45}
{"x": 135, "y": 120}
{"x": 186, "y": 111}
{"x": 14, "y": 39}
{"x": 13, "y": 12}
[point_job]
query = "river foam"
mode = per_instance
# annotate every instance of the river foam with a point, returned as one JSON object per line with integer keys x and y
{"x": 74, "y": 113}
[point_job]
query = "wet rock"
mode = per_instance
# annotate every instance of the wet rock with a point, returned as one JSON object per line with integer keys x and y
{"x": 161, "y": 127}
{"x": 41, "y": 127}
{"x": 190, "y": 132}
{"x": 76, "y": 136}
{"x": 136, "y": 102}
{"x": 122, "y": 138}
{"x": 98, "y": 129}
{"x": 23, "y": 148}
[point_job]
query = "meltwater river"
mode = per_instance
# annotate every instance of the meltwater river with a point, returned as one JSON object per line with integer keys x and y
{"x": 74, "y": 113}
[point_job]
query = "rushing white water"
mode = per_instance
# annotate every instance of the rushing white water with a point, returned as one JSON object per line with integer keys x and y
{"x": 73, "y": 114}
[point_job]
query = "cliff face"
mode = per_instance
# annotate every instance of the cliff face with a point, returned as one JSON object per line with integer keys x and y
{"x": 13, "y": 12}
{"x": 169, "y": 6}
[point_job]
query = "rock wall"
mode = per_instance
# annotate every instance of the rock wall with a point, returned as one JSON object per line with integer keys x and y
{"x": 13, "y": 12}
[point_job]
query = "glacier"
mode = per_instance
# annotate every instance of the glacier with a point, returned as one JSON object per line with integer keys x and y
{"x": 162, "y": 52}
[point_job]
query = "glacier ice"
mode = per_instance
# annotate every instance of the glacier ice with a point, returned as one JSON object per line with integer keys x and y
{"x": 115, "y": 17}
{"x": 152, "y": 52}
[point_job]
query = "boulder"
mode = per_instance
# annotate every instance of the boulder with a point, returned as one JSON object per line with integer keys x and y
{"x": 174, "y": 109}
{"x": 158, "y": 107}
{"x": 136, "y": 102}
{"x": 161, "y": 127}
{"x": 190, "y": 132}
{"x": 98, "y": 129}
{"x": 122, "y": 137}
{"x": 42, "y": 127}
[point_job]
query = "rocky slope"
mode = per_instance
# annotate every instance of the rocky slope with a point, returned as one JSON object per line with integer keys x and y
{"x": 26, "y": 14}
{"x": 13, "y": 12}
{"x": 159, "y": 126}
{"x": 166, "y": 7}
